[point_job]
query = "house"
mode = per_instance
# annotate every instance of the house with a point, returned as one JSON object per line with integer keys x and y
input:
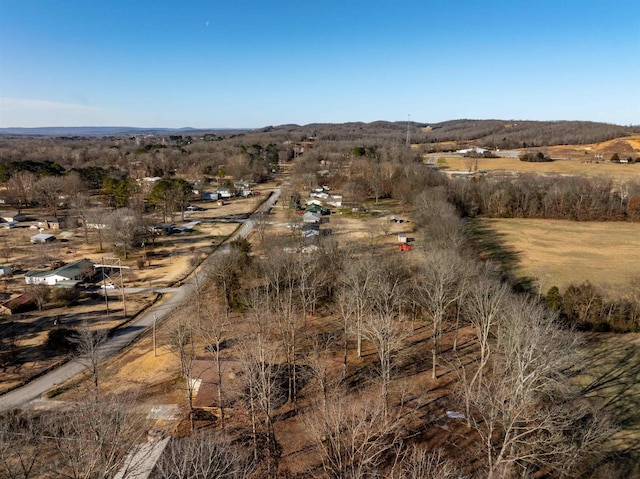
{"x": 5, "y": 271}
{"x": 187, "y": 226}
{"x": 42, "y": 238}
{"x": 76, "y": 271}
{"x": 224, "y": 193}
{"x": 335, "y": 201}
{"x": 10, "y": 217}
{"x": 310, "y": 217}
{"x": 210, "y": 195}
{"x": 317, "y": 209}
{"x": 19, "y": 304}
{"x": 162, "y": 228}
{"x": 52, "y": 223}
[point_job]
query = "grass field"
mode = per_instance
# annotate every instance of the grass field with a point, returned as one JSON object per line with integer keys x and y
{"x": 564, "y": 252}
{"x": 619, "y": 172}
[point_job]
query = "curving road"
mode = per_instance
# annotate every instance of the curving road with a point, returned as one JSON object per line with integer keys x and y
{"x": 125, "y": 336}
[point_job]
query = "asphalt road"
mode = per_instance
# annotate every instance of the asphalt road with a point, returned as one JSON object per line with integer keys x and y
{"x": 179, "y": 295}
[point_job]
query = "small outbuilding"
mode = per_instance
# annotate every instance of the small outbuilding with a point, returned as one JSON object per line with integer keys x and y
{"x": 19, "y": 304}
{"x": 42, "y": 238}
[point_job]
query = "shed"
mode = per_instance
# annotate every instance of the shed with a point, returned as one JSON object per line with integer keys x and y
{"x": 42, "y": 238}
{"x": 5, "y": 271}
{"x": 19, "y": 304}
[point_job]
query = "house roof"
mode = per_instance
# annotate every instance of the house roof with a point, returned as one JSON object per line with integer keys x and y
{"x": 18, "y": 301}
{"x": 42, "y": 236}
{"x": 69, "y": 271}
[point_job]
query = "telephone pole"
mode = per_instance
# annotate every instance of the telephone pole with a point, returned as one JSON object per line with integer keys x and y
{"x": 408, "y": 130}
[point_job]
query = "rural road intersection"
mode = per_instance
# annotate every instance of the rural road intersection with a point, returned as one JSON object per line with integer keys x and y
{"x": 125, "y": 336}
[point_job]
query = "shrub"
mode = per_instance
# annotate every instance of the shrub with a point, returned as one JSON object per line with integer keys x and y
{"x": 61, "y": 340}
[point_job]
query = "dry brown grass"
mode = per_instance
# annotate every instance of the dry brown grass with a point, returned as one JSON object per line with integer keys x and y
{"x": 561, "y": 252}
{"x": 619, "y": 172}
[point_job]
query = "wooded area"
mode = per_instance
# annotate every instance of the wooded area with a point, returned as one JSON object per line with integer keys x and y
{"x": 357, "y": 360}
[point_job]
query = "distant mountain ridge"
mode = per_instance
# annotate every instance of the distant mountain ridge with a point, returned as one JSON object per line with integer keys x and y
{"x": 107, "y": 130}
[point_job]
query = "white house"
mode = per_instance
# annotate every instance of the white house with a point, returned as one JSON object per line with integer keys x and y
{"x": 76, "y": 271}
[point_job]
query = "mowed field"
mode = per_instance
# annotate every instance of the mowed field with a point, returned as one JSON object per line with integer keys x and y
{"x": 561, "y": 252}
{"x": 619, "y": 172}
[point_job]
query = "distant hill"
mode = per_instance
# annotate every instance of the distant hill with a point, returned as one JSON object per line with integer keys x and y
{"x": 108, "y": 131}
{"x": 452, "y": 134}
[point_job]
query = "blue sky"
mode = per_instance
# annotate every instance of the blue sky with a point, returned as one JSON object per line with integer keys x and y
{"x": 249, "y": 63}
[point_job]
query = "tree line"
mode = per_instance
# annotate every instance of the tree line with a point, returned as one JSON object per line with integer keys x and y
{"x": 549, "y": 197}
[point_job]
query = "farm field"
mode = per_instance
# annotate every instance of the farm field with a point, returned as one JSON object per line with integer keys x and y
{"x": 619, "y": 172}
{"x": 564, "y": 252}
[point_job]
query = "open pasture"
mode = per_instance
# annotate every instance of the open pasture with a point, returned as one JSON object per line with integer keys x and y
{"x": 561, "y": 253}
{"x": 619, "y": 172}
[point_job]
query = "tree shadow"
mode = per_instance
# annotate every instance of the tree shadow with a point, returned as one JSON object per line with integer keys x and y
{"x": 610, "y": 372}
{"x": 492, "y": 246}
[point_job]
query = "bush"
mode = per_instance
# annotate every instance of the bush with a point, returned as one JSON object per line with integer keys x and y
{"x": 61, "y": 340}
{"x": 66, "y": 296}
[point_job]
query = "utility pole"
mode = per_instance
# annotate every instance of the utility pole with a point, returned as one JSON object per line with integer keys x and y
{"x": 104, "y": 290}
{"x": 408, "y": 131}
{"x": 120, "y": 267}
{"x": 155, "y": 320}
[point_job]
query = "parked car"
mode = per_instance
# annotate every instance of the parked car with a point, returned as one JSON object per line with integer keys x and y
{"x": 108, "y": 286}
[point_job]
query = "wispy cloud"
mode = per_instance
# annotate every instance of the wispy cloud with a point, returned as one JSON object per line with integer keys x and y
{"x": 26, "y": 112}
{"x": 29, "y": 104}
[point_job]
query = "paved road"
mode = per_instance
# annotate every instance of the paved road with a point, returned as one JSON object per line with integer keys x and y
{"x": 36, "y": 388}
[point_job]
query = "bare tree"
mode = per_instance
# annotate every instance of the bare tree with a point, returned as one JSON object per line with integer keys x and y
{"x": 484, "y": 307}
{"x": 88, "y": 344}
{"x": 203, "y": 455}
{"x": 356, "y": 290}
{"x": 523, "y": 410}
{"x": 213, "y": 327}
{"x": 40, "y": 294}
{"x": 92, "y": 438}
{"x": 420, "y": 463}
{"x": 181, "y": 344}
{"x": 123, "y": 226}
{"x": 21, "y": 446}
{"x": 260, "y": 360}
{"x": 438, "y": 290}
{"x": 19, "y": 188}
{"x": 48, "y": 192}
{"x": 353, "y": 435}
